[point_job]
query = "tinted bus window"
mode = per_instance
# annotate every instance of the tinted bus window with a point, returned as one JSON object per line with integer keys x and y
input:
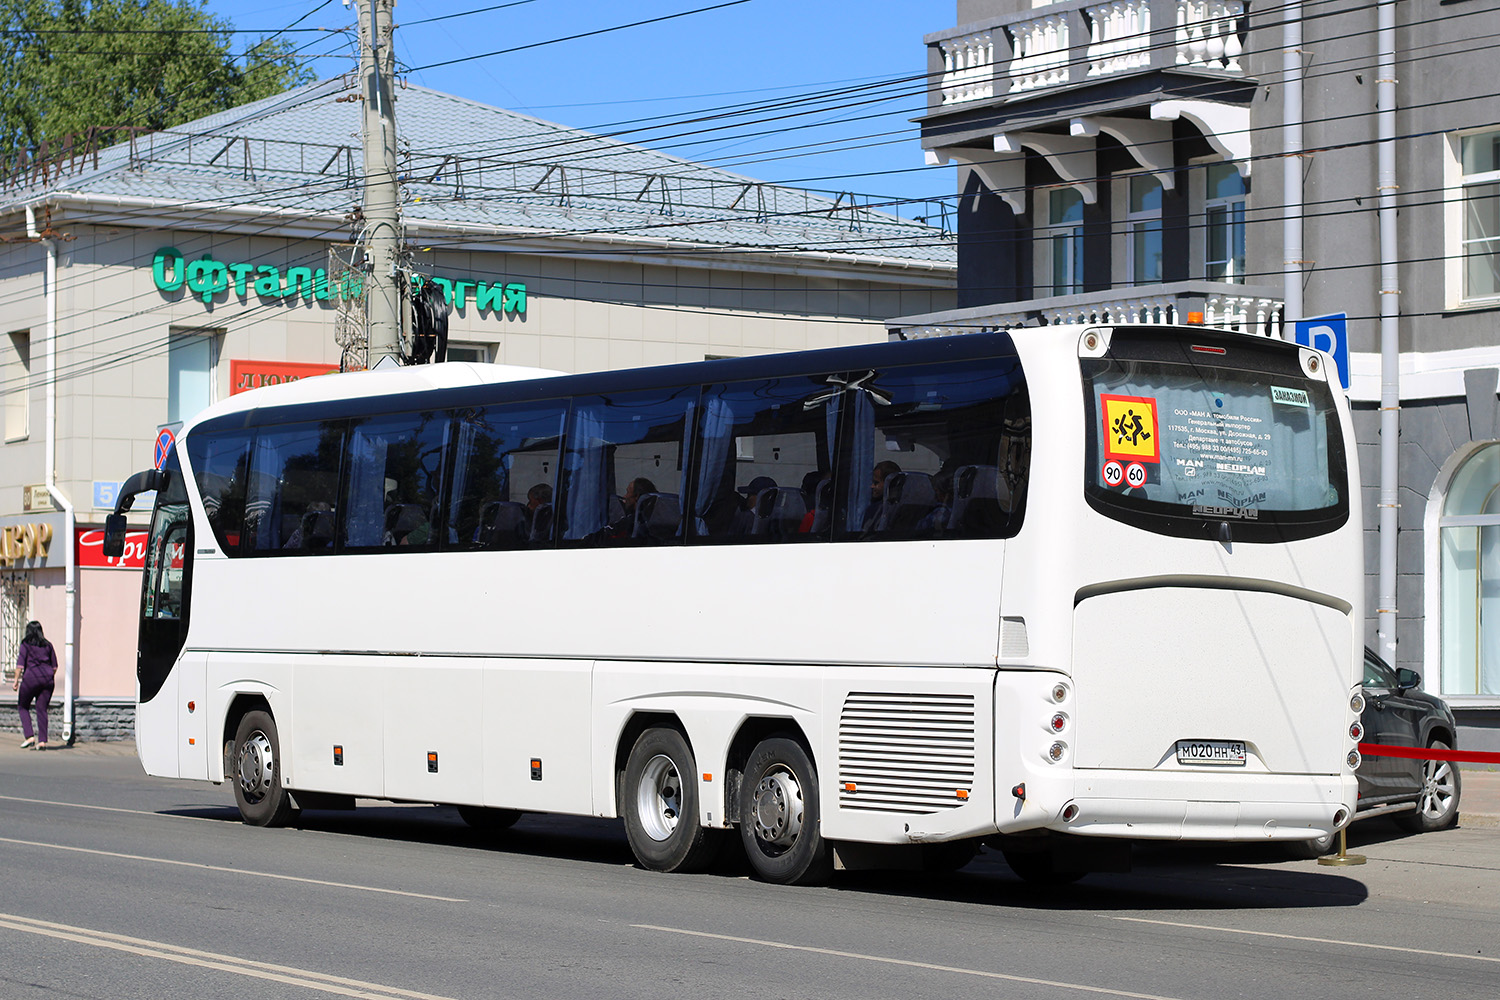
{"x": 1183, "y": 441}
{"x": 394, "y": 481}
{"x": 623, "y": 472}
{"x": 763, "y": 461}
{"x": 292, "y": 498}
{"x": 937, "y": 451}
{"x": 221, "y": 465}
{"x": 504, "y": 474}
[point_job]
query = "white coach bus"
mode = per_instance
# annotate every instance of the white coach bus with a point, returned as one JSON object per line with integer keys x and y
{"x": 1054, "y": 589}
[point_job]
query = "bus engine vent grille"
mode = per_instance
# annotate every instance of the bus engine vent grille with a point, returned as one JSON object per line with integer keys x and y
{"x": 905, "y": 753}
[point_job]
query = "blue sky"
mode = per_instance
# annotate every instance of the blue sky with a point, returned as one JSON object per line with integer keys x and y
{"x": 749, "y": 53}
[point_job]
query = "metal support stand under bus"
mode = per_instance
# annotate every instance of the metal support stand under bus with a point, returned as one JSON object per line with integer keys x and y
{"x": 1343, "y": 857}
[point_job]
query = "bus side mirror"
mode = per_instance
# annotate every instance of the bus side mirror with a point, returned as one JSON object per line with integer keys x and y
{"x": 114, "y": 536}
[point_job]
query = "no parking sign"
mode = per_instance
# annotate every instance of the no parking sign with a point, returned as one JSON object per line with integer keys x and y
{"x": 165, "y": 439}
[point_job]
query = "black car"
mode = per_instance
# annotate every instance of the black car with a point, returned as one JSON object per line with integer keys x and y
{"x": 1420, "y": 795}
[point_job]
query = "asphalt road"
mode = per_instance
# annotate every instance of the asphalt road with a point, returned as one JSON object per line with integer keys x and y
{"x": 120, "y": 886}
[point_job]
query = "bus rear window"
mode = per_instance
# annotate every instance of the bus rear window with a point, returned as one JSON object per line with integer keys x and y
{"x": 1182, "y": 442}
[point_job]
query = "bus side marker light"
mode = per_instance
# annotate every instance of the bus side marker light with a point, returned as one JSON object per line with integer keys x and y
{"x": 536, "y": 769}
{"x": 963, "y": 795}
{"x": 850, "y": 787}
{"x": 432, "y": 762}
{"x": 1019, "y": 791}
{"x": 192, "y": 707}
{"x": 707, "y": 777}
{"x": 192, "y": 742}
{"x": 338, "y": 756}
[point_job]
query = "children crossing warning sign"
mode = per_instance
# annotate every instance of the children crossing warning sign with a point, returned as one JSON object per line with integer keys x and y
{"x": 1130, "y": 429}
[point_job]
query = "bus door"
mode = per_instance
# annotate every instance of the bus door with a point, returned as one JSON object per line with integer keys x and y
{"x": 165, "y": 601}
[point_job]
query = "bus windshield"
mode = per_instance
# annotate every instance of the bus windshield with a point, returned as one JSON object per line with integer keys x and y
{"x": 1185, "y": 438}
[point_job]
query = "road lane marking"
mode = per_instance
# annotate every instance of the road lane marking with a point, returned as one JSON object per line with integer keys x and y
{"x": 116, "y": 809}
{"x": 232, "y": 871}
{"x": 290, "y": 975}
{"x": 885, "y": 960}
{"x": 1312, "y": 940}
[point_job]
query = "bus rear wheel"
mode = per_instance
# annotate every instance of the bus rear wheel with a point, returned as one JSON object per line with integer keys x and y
{"x": 257, "y": 773}
{"x": 488, "y": 820}
{"x": 779, "y": 819}
{"x": 659, "y": 799}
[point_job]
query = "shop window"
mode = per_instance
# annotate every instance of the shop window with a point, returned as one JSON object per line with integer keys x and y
{"x": 14, "y": 614}
{"x": 191, "y": 356}
{"x": 1224, "y": 223}
{"x": 15, "y": 383}
{"x": 1469, "y": 581}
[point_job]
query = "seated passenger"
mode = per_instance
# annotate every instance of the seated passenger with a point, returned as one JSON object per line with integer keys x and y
{"x": 882, "y": 471}
{"x": 744, "y": 518}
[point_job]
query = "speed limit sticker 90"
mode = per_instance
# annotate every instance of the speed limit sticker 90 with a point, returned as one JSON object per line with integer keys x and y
{"x": 1114, "y": 473}
{"x": 1135, "y": 475}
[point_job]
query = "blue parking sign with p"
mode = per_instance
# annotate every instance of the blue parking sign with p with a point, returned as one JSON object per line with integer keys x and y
{"x": 1329, "y": 334}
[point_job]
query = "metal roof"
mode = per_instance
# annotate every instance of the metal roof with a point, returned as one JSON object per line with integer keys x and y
{"x": 472, "y": 168}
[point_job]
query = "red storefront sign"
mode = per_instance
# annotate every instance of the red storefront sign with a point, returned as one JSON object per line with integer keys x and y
{"x": 245, "y": 375}
{"x": 91, "y": 551}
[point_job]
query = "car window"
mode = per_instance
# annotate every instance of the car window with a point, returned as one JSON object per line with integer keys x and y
{"x": 1377, "y": 674}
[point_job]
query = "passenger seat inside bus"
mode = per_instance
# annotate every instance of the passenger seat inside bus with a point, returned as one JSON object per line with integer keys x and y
{"x": 909, "y": 497}
{"x": 502, "y": 525}
{"x": 401, "y": 519}
{"x": 977, "y": 506}
{"x": 778, "y": 513}
{"x": 658, "y": 517}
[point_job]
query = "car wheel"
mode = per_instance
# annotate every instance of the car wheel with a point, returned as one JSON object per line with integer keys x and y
{"x": 1437, "y": 803}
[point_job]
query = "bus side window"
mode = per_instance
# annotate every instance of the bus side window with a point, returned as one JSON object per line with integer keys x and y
{"x": 936, "y": 451}
{"x": 221, "y": 465}
{"x": 293, "y": 489}
{"x": 394, "y": 481}
{"x": 504, "y": 474}
{"x": 623, "y": 473}
{"x": 763, "y": 461}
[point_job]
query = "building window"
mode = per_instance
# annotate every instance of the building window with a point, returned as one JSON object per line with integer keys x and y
{"x": 1479, "y": 163}
{"x": 191, "y": 357}
{"x": 1224, "y": 228}
{"x": 1064, "y": 239}
{"x": 479, "y": 353}
{"x": 1469, "y": 581}
{"x": 1143, "y": 224}
{"x": 15, "y": 384}
{"x": 14, "y": 614}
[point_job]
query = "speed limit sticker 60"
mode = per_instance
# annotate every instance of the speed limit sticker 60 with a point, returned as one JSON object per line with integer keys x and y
{"x": 1135, "y": 475}
{"x": 1114, "y": 473}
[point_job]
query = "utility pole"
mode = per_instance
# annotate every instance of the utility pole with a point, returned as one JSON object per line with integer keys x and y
{"x": 382, "y": 233}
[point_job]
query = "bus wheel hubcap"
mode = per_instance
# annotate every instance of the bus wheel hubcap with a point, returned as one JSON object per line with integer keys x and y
{"x": 659, "y": 797}
{"x": 256, "y": 766}
{"x": 778, "y": 809}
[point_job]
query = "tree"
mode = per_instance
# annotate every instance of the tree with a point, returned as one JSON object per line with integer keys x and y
{"x": 68, "y": 66}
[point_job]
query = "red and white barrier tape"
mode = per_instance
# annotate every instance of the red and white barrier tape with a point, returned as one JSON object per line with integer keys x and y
{"x": 1427, "y": 753}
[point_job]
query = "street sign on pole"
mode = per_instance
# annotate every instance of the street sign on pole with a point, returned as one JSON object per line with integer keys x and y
{"x": 1329, "y": 334}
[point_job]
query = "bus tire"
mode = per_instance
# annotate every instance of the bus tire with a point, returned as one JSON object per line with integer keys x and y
{"x": 257, "y": 773}
{"x": 488, "y": 820}
{"x": 779, "y": 818}
{"x": 659, "y": 800}
{"x": 1437, "y": 803}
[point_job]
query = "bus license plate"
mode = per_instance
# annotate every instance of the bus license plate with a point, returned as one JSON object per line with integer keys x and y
{"x": 1227, "y": 752}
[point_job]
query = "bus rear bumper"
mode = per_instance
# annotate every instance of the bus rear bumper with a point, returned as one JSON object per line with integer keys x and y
{"x": 1195, "y": 806}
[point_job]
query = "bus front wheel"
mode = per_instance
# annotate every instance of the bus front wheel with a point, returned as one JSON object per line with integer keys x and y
{"x": 779, "y": 822}
{"x": 257, "y": 773}
{"x": 659, "y": 799}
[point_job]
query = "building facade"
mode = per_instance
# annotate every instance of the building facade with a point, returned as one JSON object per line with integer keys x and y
{"x": 142, "y": 281}
{"x": 1127, "y": 161}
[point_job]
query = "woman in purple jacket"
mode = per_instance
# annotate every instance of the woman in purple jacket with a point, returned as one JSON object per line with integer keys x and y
{"x": 35, "y": 670}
